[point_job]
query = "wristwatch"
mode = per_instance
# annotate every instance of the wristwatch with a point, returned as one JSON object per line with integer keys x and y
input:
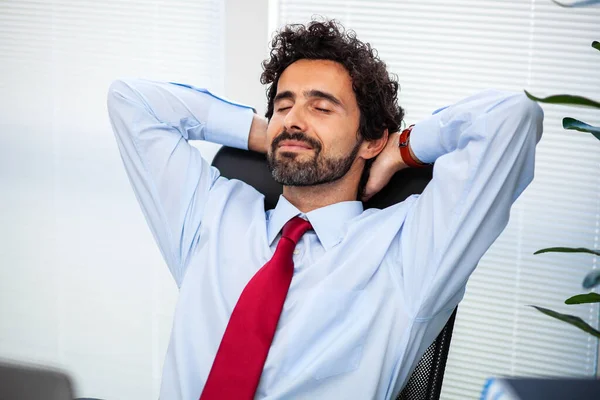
{"x": 405, "y": 151}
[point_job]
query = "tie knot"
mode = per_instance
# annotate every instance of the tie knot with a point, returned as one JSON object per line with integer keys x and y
{"x": 295, "y": 228}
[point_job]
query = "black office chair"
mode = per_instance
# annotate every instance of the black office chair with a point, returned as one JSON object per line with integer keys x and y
{"x": 425, "y": 383}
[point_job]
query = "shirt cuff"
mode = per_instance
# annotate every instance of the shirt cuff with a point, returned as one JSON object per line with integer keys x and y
{"x": 228, "y": 123}
{"x": 425, "y": 140}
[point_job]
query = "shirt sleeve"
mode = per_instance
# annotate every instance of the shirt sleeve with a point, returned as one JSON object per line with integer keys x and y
{"x": 484, "y": 152}
{"x": 153, "y": 122}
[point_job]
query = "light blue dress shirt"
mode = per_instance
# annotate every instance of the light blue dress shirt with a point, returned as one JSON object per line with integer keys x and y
{"x": 371, "y": 288}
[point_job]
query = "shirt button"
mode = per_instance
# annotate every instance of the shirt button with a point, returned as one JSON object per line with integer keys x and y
{"x": 296, "y": 252}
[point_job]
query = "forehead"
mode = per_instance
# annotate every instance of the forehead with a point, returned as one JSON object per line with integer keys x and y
{"x": 325, "y": 75}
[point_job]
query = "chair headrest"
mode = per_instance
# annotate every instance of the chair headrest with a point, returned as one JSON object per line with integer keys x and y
{"x": 251, "y": 167}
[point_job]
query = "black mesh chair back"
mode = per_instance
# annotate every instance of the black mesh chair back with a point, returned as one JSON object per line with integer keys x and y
{"x": 425, "y": 383}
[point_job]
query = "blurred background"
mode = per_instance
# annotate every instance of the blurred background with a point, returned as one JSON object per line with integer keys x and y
{"x": 83, "y": 286}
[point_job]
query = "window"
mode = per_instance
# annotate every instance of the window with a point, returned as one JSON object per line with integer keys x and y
{"x": 82, "y": 283}
{"x": 444, "y": 51}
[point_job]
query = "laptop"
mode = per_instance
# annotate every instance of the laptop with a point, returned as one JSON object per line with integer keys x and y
{"x": 541, "y": 389}
{"x": 24, "y": 382}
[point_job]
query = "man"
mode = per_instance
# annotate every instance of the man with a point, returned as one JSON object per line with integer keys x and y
{"x": 368, "y": 291}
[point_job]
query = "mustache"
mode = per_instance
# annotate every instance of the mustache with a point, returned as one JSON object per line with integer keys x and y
{"x": 299, "y": 136}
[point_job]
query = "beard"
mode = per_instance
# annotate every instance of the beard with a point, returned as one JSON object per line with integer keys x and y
{"x": 319, "y": 169}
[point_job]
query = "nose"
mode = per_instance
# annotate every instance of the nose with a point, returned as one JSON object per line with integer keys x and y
{"x": 295, "y": 119}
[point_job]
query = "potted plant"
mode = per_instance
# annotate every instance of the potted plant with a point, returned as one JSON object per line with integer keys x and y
{"x": 592, "y": 279}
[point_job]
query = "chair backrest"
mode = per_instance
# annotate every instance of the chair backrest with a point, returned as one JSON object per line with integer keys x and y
{"x": 425, "y": 383}
{"x": 251, "y": 167}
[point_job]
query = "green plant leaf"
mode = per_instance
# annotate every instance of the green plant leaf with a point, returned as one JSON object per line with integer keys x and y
{"x": 570, "y": 319}
{"x": 592, "y": 279}
{"x": 583, "y": 298}
{"x": 567, "y": 250}
{"x": 572, "y": 123}
{"x": 596, "y": 45}
{"x": 565, "y": 99}
{"x": 580, "y": 3}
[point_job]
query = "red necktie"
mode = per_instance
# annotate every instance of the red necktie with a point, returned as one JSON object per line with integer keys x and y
{"x": 245, "y": 344}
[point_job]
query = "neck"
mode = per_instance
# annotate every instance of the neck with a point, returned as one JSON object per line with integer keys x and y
{"x": 309, "y": 198}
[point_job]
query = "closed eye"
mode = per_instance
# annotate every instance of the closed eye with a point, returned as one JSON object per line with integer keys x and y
{"x": 323, "y": 110}
{"x": 283, "y": 108}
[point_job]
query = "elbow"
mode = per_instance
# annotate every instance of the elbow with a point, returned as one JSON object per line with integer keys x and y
{"x": 125, "y": 90}
{"x": 118, "y": 90}
{"x": 531, "y": 116}
{"x": 122, "y": 95}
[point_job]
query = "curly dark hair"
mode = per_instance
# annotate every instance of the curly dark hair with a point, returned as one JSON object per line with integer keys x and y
{"x": 375, "y": 89}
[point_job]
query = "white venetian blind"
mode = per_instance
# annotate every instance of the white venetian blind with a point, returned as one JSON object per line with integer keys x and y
{"x": 82, "y": 283}
{"x": 443, "y": 51}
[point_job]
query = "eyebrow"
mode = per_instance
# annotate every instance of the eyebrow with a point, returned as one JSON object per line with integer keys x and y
{"x": 308, "y": 94}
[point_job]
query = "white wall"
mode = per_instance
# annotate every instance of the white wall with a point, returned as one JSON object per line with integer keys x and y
{"x": 246, "y": 46}
{"x": 82, "y": 284}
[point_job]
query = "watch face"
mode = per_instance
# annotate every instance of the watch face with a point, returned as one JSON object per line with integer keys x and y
{"x": 403, "y": 140}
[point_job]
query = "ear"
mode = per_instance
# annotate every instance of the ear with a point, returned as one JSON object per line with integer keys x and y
{"x": 372, "y": 148}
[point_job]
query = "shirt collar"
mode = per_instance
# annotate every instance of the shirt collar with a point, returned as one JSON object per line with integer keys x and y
{"x": 327, "y": 222}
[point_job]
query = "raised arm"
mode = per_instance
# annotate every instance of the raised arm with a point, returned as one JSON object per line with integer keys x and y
{"x": 153, "y": 122}
{"x": 484, "y": 153}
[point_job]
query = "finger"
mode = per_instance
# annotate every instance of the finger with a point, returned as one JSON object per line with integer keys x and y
{"x": 371, "y": 189}
{"x": 376, "y": 183}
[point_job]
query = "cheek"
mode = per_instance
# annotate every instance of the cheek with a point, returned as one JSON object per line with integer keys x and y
{"x": 273, "y": 129}
{"x": 339, "y": 146}
{"x": 339, "y": 140}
